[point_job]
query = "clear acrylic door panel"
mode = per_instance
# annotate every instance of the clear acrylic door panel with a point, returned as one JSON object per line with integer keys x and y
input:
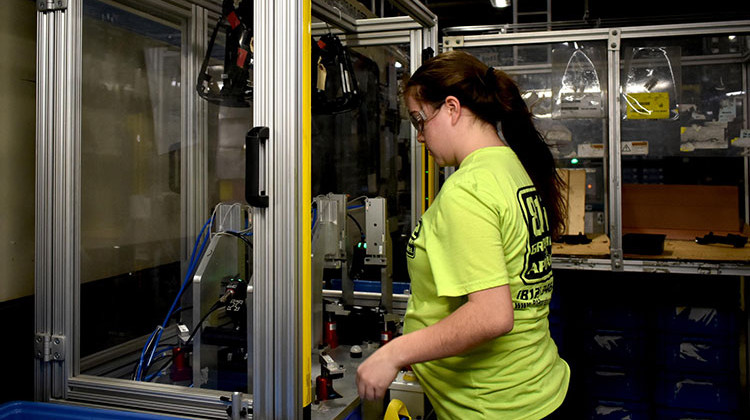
{"x": 137, "y": 263}
{"x": 565, "y": 87}
{"x": 364, "y": 151}
{"x": 683, "y": 105}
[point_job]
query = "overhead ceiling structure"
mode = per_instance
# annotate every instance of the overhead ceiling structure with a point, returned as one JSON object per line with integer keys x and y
{"x": 571, "y": 13}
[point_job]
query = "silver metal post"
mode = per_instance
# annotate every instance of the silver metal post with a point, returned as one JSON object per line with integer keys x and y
{"x": 615, "y": 175}
{"x": 236, "y": 405}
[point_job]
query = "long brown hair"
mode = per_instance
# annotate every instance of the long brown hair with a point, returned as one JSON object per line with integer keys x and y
{"x": 494, "y": 98}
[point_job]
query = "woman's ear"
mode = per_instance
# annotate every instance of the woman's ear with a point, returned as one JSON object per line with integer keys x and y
{"x": 453, "y": 106}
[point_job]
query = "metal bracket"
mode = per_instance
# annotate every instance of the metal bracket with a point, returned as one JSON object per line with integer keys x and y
{"x": 49, "y": 347}
{"x": 51, "y": 5}
{"x": 57, "y": 348}
{"x": 617, "y": 263}
{"x": 238, "y": 408}
{"x": 613, "y": 39}
{"x": 453, "y": 41}
{"x": 376, "y": 231}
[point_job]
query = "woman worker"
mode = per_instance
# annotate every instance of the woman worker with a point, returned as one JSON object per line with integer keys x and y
{"x": 476, "y": 331}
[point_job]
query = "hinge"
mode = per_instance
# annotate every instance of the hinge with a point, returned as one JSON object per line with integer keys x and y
{"x": 41, "y": 347}
{"x": 453, "y": 41}
{"x": 49, "y": 347}
{"x": 51, "y": 5}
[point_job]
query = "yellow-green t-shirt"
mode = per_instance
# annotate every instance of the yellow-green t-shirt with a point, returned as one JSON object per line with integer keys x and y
{"x": 487, "y": 228}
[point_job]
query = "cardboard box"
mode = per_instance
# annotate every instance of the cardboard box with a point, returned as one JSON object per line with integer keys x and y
{"x": 575, "y": 198}
{"x": 680, "y": 211}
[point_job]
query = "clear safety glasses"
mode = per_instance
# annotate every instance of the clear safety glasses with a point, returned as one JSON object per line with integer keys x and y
{"x": 419, "y": 118}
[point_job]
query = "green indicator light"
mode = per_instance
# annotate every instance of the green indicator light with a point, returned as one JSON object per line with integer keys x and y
{"x": 427, "y": 172}
{"x": 574, "y": 161}
{"x": 365, "y": 245}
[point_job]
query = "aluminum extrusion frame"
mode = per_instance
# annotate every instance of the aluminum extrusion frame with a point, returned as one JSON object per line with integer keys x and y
{"x": 613, "y": 37}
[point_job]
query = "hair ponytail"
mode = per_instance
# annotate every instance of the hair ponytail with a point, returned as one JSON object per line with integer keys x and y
{"x": 495, "y": 98}
{"x": 528, "y": 144}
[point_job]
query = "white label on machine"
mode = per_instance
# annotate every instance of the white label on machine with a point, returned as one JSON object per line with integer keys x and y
{"x": 708, "y": 136}
{"x": 727, "y": 113}
{"x": 634, "y": 147}
{"x": 591, "y": 150}
{"x": 743, "y": 140}
{"x": 588, "y": 105}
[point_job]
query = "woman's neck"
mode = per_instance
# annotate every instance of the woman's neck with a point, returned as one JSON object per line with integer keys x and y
{"x": 477, "y": 135}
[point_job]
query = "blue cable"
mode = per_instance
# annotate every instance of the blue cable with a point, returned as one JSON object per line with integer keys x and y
{"x": 165, "y": 348}
{"x": 151, "y": 377}
{"x": 191, "y": 267}
{"x": 143, "y": 353}
{"x": 188, "y": 276}
{"x": 160, "y": 329}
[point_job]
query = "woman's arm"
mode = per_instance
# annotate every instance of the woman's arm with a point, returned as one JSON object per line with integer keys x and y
{"x": 486, "y": 315}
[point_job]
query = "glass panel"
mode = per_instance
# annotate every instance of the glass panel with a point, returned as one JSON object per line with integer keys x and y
{"x": 361, "y": 149}
{"x": 229, "y": 119}
{"x": 683, "y": 161}
{"x": 130, "y": 199}
{"x": 565, "y": 87}
{"x": 140, "y": 278}
{"x": 221, "y": 353}
{"x": 507, "y": 56}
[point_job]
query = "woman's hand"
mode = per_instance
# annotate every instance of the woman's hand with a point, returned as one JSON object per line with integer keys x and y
{"x": 486, "y": 315}
{"x": 375, "y": 374}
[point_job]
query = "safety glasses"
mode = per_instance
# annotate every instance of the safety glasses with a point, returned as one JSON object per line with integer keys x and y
{"x": 419, "y": 118}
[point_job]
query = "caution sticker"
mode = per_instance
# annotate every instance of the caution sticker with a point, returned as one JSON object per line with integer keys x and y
{"x": 647, "y": 105}
{"x": 634, "y": 148}
{"x": 596, "y": 150}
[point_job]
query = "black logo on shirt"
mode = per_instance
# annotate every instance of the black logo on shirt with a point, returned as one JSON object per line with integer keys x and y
{"x": 414, "y": 235}
{"x": 537, "y": 266}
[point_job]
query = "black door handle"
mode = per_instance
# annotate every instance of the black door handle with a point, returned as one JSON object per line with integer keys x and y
{"x": 253, "y": 193}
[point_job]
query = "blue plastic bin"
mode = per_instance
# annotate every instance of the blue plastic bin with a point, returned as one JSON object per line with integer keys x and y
{"x": 617, "y": 348}
{"x": 702, "y": 321}
{"x": 556, "y": 330}
{"x": 555, "y": 303}
{"x": 702, "y": 354}
{"x": 616, "y": 318}
{"x": 714, "y": 393}
{"x": 673, "y": 414}
{"x": 617, "y": 383}
{"x": 24, "y": 410}
{"x": 372, "y": 286}
{"x": 619, "y": 410}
